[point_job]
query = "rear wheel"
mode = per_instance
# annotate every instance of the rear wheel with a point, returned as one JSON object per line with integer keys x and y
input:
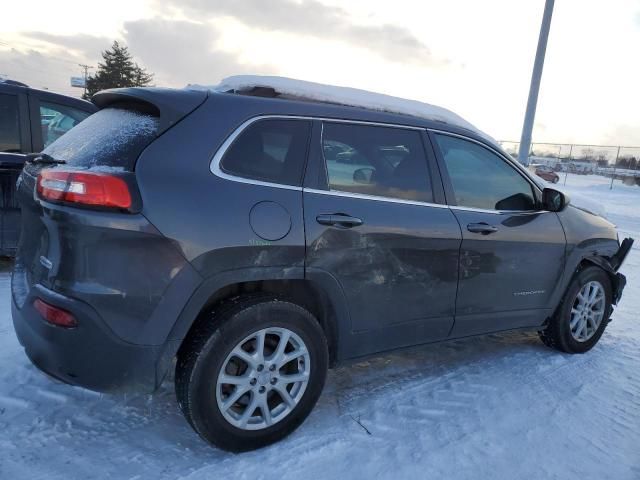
{"x": 252, "y": 374}
{"x": 581, "y": 318}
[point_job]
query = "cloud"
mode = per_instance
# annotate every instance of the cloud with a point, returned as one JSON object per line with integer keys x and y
{"x": 176, "y": 52}
{"x": 40, "y": 70}
{"x": 86, "y": 45}
{"x": 181, "y": 52}
{"x": 312, "y": 18}
{"x": 627, "y": 134}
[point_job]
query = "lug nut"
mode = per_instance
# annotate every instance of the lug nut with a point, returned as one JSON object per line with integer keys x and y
{"x": 272, "y": 368}
{"x": 262, "y": 390}
{"x": 253, "y": 381}
{"x": 260, "y": 368}
{"x": 274, "y": 381}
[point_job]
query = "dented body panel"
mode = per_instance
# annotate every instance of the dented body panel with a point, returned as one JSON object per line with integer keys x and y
{"x": 410, "y": 273}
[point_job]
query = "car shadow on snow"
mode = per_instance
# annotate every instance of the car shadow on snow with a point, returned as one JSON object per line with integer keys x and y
{"x": 351, "y": 387}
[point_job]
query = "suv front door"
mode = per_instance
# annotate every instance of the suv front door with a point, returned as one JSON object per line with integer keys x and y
{"x": 512, "y": 253}
{"x": 373, "y": 222}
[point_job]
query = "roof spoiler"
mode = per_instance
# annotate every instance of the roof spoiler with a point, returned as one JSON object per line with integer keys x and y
{"x": 169, "y": 105}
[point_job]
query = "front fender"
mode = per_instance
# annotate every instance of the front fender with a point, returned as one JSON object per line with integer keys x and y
{"x": 618, "y": 281}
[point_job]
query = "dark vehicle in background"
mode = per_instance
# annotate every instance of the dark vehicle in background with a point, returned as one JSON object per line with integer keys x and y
{"x": 547, "y": 173}
{"x": 30, "y": 120}
{"x": 249, "y": 243}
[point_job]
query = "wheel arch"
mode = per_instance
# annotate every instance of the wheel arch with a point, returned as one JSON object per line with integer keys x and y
{"x": 579, "y": 264}
{"x": 320, "y": 295}
{"x": 617, "y": 280}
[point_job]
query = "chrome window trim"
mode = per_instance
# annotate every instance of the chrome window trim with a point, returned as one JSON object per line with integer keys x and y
{"x": 214, "y": 166}
{"x": 498, "y": 212}
{"x": 509, "y": 161}
{"x": 379, "y": 198}
{"x": 376, "y": 198}
{"x": 217, "y": 171}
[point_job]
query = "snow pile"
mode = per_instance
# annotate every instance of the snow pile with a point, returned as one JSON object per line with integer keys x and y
{"x": 353, "y": 97}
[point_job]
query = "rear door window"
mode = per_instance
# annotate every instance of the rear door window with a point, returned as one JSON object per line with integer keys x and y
{"x": 9, "y": 126}
{"x": 270, "y": 150}
{"x": 379, "y": 161}
{"x": 56, "y": 120}
{"x": 111, "y": 138}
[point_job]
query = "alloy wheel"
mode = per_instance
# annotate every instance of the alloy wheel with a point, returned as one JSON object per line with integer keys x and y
{"x": 587, "y": 311}
{"x": 263, "y": 378}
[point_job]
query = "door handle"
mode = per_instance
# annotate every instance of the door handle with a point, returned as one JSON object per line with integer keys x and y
{"x": 482, "y": 227}
{"x": 339, "y": 220}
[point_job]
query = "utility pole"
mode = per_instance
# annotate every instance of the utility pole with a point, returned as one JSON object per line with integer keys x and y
{"x": 525, "y": 140}
{"x": 86, "y": 74}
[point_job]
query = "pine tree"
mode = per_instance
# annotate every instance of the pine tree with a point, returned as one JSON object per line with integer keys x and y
{"x": 118, "y": 69}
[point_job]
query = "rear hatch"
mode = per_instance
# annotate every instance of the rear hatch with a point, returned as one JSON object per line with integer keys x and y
{"x": 107, "y": 143}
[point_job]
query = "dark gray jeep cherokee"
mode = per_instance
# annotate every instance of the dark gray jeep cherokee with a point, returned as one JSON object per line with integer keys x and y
{"x": 250, "y": 241}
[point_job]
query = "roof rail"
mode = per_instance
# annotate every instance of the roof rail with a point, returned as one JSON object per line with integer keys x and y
{"x": 301, "y": 90}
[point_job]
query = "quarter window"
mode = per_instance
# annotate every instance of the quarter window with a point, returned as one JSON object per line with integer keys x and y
{"x": 9, "y": 127}
{"x": 380, "y": 161}
{"x": 270, "y": 151}
{"x": 481, "y": 179}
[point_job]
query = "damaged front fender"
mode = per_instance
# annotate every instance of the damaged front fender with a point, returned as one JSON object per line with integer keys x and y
{"x": 612, "y": 264}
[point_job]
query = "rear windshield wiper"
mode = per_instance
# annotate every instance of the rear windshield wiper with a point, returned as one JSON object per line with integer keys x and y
{"x": 44, "y": 159}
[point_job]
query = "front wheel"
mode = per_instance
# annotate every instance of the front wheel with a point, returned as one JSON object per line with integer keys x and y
{"x": 252, "y": 374}
{"x": 581, "y": 318}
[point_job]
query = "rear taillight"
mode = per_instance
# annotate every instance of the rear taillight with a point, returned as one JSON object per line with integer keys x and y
{"x": 85, "y": 188}
{"x": 54, "y": 315}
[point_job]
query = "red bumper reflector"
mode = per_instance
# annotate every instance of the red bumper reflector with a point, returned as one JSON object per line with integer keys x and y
{"x": 54, "y": 315}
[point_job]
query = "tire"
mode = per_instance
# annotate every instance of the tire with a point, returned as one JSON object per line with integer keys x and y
{"x": 559, "y": 333}
{"x": 556, "y": 179}
{"x": 227, "y": 343}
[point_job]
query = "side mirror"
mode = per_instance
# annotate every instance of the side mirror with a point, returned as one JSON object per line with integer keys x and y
{"x": 554, "y": 200}
{"x": 363, "y": 175}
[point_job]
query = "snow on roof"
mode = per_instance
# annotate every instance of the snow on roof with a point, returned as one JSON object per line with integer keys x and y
{"x": 301, "y": 89}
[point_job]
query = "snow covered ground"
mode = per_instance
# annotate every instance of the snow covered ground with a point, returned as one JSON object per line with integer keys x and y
{"x": 496, "y": 407}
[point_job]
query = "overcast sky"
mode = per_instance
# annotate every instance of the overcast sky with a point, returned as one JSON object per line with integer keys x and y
{"x": 473, "y": 57}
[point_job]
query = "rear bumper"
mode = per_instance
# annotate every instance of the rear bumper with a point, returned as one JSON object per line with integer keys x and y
{"x": 90, "y": 355}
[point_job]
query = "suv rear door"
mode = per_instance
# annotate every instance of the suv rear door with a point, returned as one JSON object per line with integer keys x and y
{"x": 375, "y": 221}
{"x": 512, "y": 253}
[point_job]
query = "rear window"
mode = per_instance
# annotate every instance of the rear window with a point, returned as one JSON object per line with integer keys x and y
{"x": 270, "y": 151}
{"x": 112, "y": 137}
